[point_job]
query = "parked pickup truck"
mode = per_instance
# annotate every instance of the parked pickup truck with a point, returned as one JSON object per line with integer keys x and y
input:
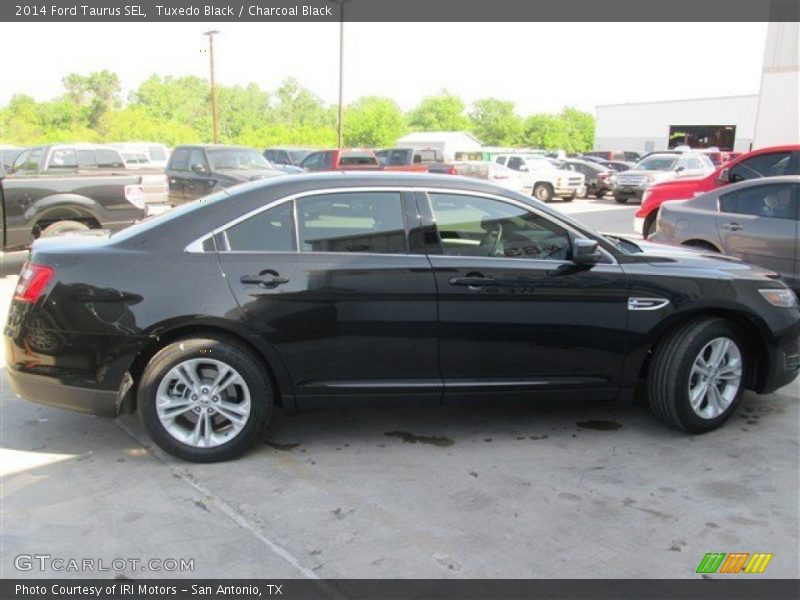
{"x": 341, "y": 160}
{"x": 545, "y": 179}
{"x": 32, "y": 207}
{"x": 426, "y": 160}
{"x": 83, "y": 160}
{"x": 200, "y": 169}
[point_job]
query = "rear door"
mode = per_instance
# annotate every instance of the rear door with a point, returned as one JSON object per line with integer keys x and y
{"x": 327, "y": 279}
{"x": 759, "y": 224}
{"x": 515, "y": 315}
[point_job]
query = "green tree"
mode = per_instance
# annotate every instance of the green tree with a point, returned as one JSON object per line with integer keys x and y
{"x": 544, "y": 131}
{"x": 373, "y": 122}
{"x": 580, "y": 128}
{"x": 185, "y": 100}
{"x": 443, "y": 112}
{"x": 241, "y": 109}
{"x": 97, "y": 93}
{"x": 295, "y": 106}
{"x": 134, "y": 123}
{"x": 495, "y": 122}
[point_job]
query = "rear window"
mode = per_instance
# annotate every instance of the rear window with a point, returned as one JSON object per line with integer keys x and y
{"x": 157, "y": 153}
{"x": 357, "y": 158}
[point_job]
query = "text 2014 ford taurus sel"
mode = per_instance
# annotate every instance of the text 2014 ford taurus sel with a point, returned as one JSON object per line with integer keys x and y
{"x": 317, "y": 288}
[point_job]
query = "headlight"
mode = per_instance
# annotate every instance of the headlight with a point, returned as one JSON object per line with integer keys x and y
{"x": 780, "y": 297}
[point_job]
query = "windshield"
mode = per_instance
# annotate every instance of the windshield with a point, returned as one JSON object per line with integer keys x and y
{"x": 245, "y": 159}
{"x": 298, "y": 155}
{"x": 663, "y": 162}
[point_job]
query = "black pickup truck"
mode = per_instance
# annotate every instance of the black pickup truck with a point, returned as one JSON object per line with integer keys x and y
{"x": 59, "y": 188}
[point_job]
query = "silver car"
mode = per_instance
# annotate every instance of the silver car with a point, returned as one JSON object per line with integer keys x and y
{"x": 658, "y": 167}
{"x": 755, "y": 220}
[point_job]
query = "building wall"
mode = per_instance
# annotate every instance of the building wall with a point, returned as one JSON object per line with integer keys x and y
{"x": 778, "y": 115}
{"x": 644, "y": 127}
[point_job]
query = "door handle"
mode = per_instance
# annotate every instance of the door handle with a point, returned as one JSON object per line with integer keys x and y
{"x": 267, "y": 279}
{"x": 472, "y": 281}
{"x": 732, "y": 226}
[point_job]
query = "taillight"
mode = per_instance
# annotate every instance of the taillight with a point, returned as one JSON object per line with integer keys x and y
{"x": 32, "y": 281}
{"x": 451, "y": 171}
{"x": 135, "y": 195}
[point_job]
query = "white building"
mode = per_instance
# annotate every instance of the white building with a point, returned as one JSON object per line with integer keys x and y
{"x": 738, "y": 123}
{"x": 448, "y": 142}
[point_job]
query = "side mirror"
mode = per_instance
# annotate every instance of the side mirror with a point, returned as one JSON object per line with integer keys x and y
{"x": 523, "y": 168}
{"x": 585, "y": 252}
{"x": 198, "y": 168}
{"x": 680, "y": 169}
{"x": 724, "y": 176}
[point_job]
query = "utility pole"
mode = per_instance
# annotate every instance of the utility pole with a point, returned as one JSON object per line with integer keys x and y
{"x": 214, "y": 114}
{"x": 341, "y": 70}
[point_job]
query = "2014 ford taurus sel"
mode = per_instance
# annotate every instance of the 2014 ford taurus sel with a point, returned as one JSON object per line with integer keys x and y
{"x": 334, "y": 287}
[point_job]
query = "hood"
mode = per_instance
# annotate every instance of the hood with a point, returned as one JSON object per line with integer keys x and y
{"x": 666, "y": 255}
{"x": 241, "y": 176}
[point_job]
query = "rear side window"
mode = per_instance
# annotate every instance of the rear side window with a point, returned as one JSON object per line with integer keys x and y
{"x": 352, "y": 222}
{"x": 775, "y": 201}
{"x": 269, "y": 231}
{"x": 180, "y": 160}
{"x": 86, "y": 158}
{"x": 763, "y": 165}
{"x": 63, "y": 158}
{"x": 109, "y": 159}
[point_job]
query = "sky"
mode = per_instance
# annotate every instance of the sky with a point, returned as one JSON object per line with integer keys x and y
{"x": 542, "y": 67}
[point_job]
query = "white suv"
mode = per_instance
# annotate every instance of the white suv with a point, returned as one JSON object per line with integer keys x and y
{"x": 544, "y": 178}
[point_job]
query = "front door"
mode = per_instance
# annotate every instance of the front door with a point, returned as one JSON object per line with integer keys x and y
{"x": 328, "y": 281}
{"x": 759, "y": 224}
{"x": 515, "y": 315}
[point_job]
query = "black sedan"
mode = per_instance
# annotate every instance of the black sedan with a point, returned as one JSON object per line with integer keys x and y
{"x": 303, "y": 291}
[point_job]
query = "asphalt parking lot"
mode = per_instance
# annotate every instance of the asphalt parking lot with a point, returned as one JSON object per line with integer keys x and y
{"x": 495, "y": 491}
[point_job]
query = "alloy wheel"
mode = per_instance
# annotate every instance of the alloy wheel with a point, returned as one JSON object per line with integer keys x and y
{"x": 715, "y": 378}
{"x": 203, "y": 402}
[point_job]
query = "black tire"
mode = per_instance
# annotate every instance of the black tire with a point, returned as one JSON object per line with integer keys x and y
{"x": 670, "y": 372}
{"x": 60, "y": 227}
{"x": 650, "y": 225}
{"x": 543, "y": 192}
{"x": 621, "y": 199}
{"x": 569, "y": 198}
{"x": 209, "y": 347}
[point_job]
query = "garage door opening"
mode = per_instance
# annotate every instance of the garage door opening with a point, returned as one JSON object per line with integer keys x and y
{"x": 703, "y": 136}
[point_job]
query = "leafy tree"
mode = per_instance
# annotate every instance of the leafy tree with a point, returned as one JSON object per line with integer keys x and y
{"x": 443, "y": 112}
{"x": 495, "y": 122}
{"x": 98, "y": 93}
{"x": 544, "y": 131}
{"x": 184, "y": 100}
{"x": 373, "y": 122}
{"x": 298, "y": 107}
{"x": 580, "y": 128}
{"x": 134, "y": 123}
{"x": 241, "y": 109}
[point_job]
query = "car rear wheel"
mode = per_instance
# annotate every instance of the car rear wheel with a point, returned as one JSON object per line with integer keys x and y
{"x": 204, "y": 399}
{"x": 697, "y": 375}
{"x": 543, "y": 192}
{"x": 61, "y": 227}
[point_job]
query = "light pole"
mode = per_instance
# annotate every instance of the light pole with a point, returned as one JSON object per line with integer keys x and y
{"x": 341, "y": 70}
{"x": 214, "y": 115}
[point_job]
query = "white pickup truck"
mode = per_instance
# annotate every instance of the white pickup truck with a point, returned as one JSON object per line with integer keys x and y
{"x": 545, "y": 179}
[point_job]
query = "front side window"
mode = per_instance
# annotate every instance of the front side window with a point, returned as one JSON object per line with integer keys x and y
{"x": 21, "y": 161}
{"x": 477, "y": 226}
{"x": 352, "y": 222}
{"x": 515, "y": 162}
{"x": 34, "y": 160}
{"x": 312, "y": 161}
{"x": 180, "y": 160}
{"x": 197, "y": 158}
{"x": 773, "y": 201}
{"x": 269, "y": 231}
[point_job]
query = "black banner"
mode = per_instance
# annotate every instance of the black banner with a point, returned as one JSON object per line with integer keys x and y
{"x": 367, "y": 589}
{"x": 140, "y": 11}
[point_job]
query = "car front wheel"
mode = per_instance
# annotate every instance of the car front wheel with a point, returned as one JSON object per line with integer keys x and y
{"x": 697, "y": 375}
{"x": 543, "y": 192}
{"x": 204, "y": 399}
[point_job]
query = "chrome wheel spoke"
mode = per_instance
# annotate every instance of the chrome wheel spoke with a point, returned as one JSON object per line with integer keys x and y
{"x": 194, "y": 402}
{"x": 715, "y": 378}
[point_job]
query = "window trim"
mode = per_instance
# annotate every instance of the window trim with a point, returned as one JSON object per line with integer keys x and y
{"x": 196, "y": 247}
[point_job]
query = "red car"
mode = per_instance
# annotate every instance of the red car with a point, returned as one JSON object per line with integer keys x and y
{"x": 765, "y": 162}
